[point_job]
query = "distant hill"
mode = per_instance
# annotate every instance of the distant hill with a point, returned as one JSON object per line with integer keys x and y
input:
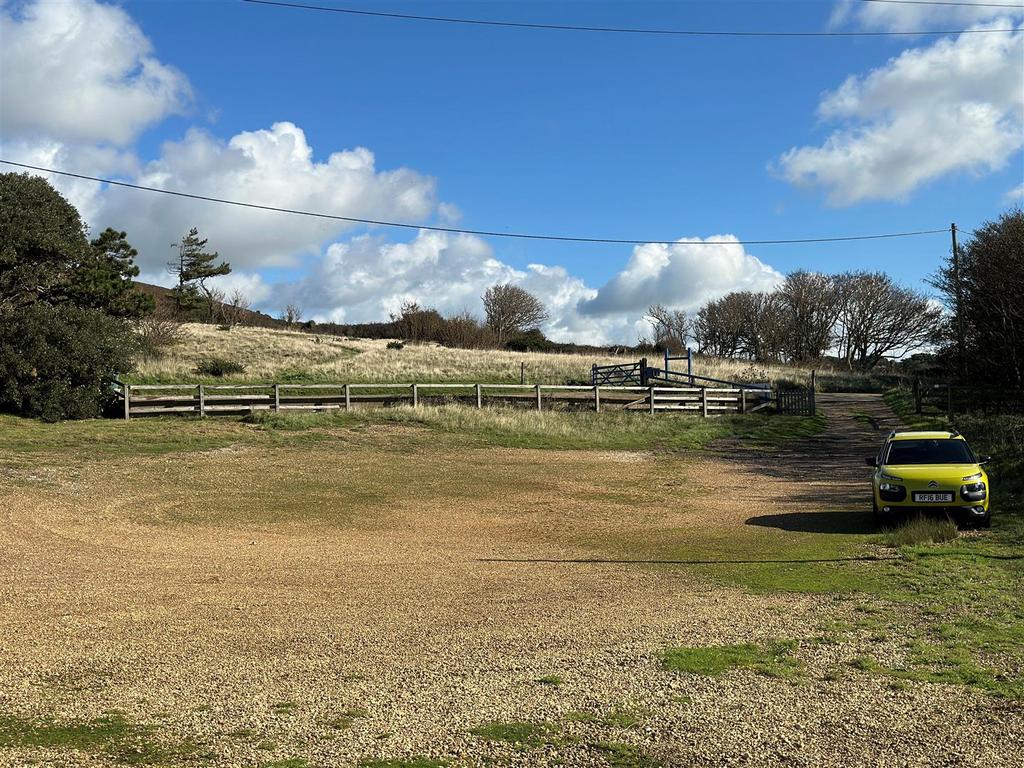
{"x": 164, "y": 298}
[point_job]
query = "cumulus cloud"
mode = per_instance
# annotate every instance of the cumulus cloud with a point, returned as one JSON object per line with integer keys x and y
{"x": 86, "y": 196}
{"x": 272, "y": 166}
{"x": 956, "y": 105}
{"x": 682, "y": 275}
{"x": 912, "y": 16}
{"x": 1015, "y": 195}
{"x": 82, "y": 71}
{"x": 369, "y": 278}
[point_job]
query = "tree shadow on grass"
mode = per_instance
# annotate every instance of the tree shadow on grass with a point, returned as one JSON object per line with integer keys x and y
{"x": 845, "y": 522}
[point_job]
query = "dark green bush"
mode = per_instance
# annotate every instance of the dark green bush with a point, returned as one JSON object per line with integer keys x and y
{"x": 57, "y": 362}
{"x": 396, "y": 345}
{"x": 219, "y": 366}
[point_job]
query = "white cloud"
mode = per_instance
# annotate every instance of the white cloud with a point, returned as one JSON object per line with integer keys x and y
{"x": 86, "y": 196}
{"x": 82, "y": 71}
{"x": 1015, "y": 195}
{"x": 683, "y": 275}
{"x": 913, "y": 16}
{"x": 272, "y": 166}
{"x": 956, "y": 105}
{"x": 368, "y": 278}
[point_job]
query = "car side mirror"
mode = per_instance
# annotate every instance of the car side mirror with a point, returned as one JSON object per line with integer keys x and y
{"x": 871, "y": 461}
{"x": 984, "y": 459}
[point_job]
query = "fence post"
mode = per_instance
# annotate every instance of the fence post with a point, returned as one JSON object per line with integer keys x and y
{"x": 643, "y": 371}
{"x": 650, "y": 394}
{"x": 415, "y": 396}
{"x": 348, "y": 398}
{"x": 593, "y": 374}
{"x": 666, "y": 358}
{"x": 743, "y": 400}
{"x": 538, "y": 397}
{"x": 202, "y": 401}
{"x": 277, "y": 398}
{"x": 597, "y": 399}
{"x": 689, "y": 364}
{"x": 127, "y": 392}
{"x": 479, "y": 397}
{"x": 522, "y": 371}
{"x": 704, "y": 400}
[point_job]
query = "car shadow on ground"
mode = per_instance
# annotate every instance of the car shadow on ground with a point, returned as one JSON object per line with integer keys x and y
{"x": 845, "y": 522}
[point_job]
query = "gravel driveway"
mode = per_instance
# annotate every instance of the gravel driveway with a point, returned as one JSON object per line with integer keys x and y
{"x": 235, "y": 645}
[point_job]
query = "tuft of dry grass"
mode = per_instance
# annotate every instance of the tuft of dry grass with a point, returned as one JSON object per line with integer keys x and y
{"x": 922, "y": 530}
{"x": 295, "y": 356}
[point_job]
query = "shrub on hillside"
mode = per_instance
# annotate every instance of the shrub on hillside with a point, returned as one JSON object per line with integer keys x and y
{"x": 395, "y": 345}
{"x": 57, "y": 362}
{"x": 219, "y": 366}
{"x": 156, "y": 333}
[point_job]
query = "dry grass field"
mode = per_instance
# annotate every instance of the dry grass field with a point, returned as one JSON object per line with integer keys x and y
{"x": 451, "y": 587}
{"x": 273, "y": 355}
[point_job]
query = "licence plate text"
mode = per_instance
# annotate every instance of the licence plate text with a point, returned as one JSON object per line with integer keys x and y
{"x": 933, "y": 497}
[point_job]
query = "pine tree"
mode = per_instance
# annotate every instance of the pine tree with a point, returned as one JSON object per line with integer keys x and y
{"x": 195, "y": 266}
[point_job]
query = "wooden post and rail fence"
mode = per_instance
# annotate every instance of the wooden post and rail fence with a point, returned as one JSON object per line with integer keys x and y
{"x": 235, "y": 399}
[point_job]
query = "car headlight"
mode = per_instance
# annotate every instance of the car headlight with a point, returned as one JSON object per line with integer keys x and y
{"x": 887, "y": 476}
{"x": 969, "y": 478}
{"x": 889, "y": 487}
{"x": 972, "y": 487}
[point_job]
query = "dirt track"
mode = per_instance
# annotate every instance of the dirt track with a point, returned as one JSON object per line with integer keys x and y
{"x": 442, "y": 615}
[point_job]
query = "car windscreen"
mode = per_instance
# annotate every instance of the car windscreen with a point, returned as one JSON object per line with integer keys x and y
{"x": 929, "y": 452}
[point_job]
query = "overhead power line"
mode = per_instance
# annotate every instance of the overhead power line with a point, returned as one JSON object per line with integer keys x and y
{"x": 615, "y": 30}
{"x": 460, "y": 231}
{"x": 958, "y": 3}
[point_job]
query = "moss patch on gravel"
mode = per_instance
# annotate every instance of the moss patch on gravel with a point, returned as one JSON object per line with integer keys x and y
{"x": 412, "y": 762}
{"x": 111, "y": 735}
{"x": 515, "y": 732}
{"x": 774, "y": 660}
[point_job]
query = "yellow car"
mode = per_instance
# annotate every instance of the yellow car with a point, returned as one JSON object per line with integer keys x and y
{"x": 930, "y": 472}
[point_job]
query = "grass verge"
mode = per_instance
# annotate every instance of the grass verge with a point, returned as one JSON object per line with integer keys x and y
{"x": 774, "y": 660}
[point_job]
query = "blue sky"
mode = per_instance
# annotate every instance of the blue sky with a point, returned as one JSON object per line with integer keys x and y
{"x": 623, "y": 136}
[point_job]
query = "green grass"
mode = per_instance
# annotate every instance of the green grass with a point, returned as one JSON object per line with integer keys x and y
{"x": 774, "y": 660}
{"x": 515, "y": 732}
{"x": 624, "y": 755}
{"x": 290, "y": 762}
{"x": 110, "y": 735}
{"x": 922, "y": 530}
{"x": 345, "y": 719}
{"x": 521, "y": 428}
{"x": 553, "y": 680}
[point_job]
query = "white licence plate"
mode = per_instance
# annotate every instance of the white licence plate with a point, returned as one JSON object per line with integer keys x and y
{"x": 932, "y": 497}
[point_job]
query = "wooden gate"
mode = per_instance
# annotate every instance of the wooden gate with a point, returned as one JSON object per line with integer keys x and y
{"x": 795, "y": 402}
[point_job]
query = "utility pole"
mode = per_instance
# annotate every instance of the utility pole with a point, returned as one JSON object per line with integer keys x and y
{"x": 960, "y": 361}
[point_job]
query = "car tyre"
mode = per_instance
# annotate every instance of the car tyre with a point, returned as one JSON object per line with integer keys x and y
{"x": 881, "y": 520}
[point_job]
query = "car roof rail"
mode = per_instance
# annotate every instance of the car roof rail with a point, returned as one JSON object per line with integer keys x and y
{"x": 954, "y": 433}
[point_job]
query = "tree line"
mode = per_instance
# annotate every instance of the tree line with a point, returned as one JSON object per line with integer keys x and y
{"x": 861, "y": 318}
{"x": 71, "y": 318}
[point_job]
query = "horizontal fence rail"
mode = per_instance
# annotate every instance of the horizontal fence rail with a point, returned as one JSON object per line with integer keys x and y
{"x": 238, "y": 399}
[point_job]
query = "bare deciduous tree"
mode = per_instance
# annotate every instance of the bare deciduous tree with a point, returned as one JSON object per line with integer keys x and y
{"x": 812, "y": 304}
{"x": 879, "y": 319}
{"x": 511, "y": 309}
{"x": 233, "y": 309}
{"x": 292, "y": 314}
{"x": 670, "y": 327}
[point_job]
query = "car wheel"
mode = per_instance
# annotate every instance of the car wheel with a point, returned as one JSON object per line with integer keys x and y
{"x": 986, "y": 522}
{"x": 881, "y": 520}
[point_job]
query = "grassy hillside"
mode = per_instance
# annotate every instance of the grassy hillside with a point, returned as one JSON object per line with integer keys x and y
{"x": 293, "y": 356}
